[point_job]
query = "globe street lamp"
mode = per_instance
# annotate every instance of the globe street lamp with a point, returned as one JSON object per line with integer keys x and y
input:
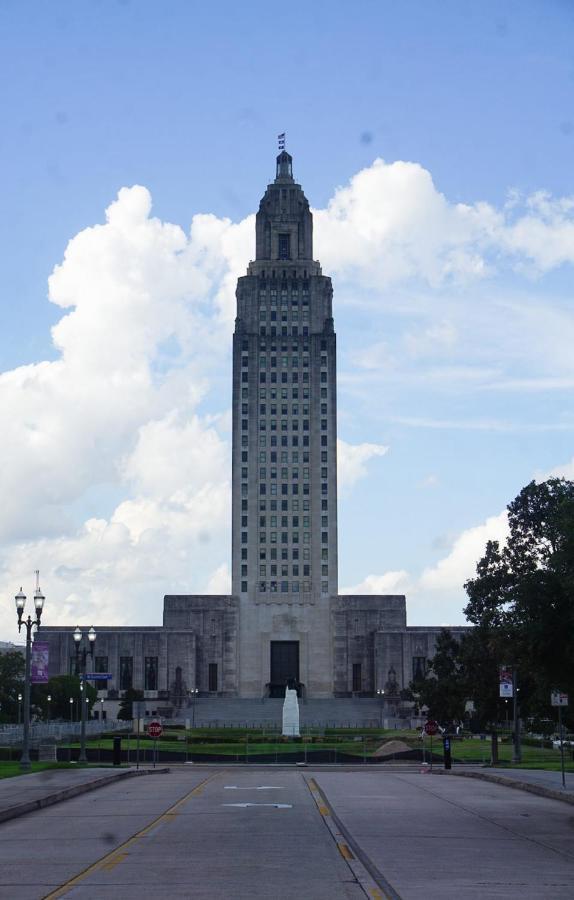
{"x": 381, "y": 696}
{"x": 19, "y": 709}
{"x": 193, "y": 694}
{"x": 101, "y": 709}
{"x": 28, "y": 624}
{"x": 49, "y": 699}
{"x": 71, "y": 709}
{"x": 82, "y": 653}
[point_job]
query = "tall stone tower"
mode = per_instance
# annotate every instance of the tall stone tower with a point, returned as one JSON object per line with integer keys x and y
{"x": 284, "y": 529}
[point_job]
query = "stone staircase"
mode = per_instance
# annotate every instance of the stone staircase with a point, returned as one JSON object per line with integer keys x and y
{"x": 329, "y": 713}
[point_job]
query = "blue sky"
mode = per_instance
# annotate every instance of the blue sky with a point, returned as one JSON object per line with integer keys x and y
{"x": 454, "y": 328}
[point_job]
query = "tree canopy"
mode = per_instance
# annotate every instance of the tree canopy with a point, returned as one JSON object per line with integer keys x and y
{"x": 11, "y": 684}
{"x": 522, "y": 597}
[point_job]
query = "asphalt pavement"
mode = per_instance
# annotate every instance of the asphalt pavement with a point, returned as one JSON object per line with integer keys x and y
{"x": 261, "y": 832}
{"x": 35, "y": 790}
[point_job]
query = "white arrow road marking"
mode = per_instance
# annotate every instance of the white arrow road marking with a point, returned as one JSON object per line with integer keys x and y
{"x": 274, "y": 805}
{"x": 262, "y": 787}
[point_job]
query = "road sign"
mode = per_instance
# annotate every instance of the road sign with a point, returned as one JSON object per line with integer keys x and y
{"x": 97, "y": 676}
{"x": 155, "y": 729}
{"x": 557, "y": 698}
{"x": 431, "y": 727}
{"x": 505, "y": 682}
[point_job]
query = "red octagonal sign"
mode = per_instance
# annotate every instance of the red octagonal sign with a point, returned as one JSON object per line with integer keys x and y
{"x": 155, "y": 729}
{"x": 431, "y": 727}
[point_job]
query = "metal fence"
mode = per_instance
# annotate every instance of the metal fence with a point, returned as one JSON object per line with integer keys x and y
{"x": 11, "y": 735}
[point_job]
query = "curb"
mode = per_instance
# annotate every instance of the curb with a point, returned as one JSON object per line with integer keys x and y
{"x": 21, "y": 809}
{"x": 528, "y": 786}
{"x": 369, "y": 878}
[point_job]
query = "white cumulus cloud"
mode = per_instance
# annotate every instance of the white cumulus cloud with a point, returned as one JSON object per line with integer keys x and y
{"x": 114, "y": 480}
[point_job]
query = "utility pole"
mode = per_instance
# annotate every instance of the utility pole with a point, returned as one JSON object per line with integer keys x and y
{"x": 516, "y": 748}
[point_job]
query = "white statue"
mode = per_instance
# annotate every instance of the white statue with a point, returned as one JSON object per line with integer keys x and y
{"x": 291, "y": 714}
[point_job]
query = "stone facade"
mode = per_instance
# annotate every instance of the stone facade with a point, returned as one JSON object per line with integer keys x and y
{"x": 284, "y": 621}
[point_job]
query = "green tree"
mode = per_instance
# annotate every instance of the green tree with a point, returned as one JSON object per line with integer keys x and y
{"x": 125, "y": 711}
{"x": 11, "y": 684}
{"x": 61, "y": 688}
{"x": 523, "y": 592}
{"x": 442, "y": 689}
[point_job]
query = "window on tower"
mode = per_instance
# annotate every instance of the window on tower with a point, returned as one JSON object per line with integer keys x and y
{"x": 284, "y": 249}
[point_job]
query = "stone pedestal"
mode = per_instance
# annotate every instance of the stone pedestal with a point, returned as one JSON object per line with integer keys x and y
{"x": 290, "y": 714}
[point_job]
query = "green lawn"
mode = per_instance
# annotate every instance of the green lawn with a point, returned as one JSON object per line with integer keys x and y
{"x": 10, "y": 769}
{"x": 239, "y": 744}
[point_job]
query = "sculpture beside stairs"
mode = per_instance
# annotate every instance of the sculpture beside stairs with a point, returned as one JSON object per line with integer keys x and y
{"x": 290, "y": 714}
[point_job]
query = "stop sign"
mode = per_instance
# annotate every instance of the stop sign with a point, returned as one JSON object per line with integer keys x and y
{"x": 431, "y": 727}
{"x": 155, "y": 729}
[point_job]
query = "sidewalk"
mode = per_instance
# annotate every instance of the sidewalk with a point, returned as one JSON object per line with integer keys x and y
{"x": 26, "y": 793}
{"x": 535, "y": 781}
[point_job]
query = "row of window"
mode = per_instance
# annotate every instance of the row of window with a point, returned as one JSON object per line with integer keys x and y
{"x": 284, "y": 441}
{"x": 151, "y": 669}
{"x": 285, "y": 570}
{"x": 126, "y": 672}
{"x": 283, "y": 393}
{"x": 284, "y": 346}
{"x": 285, "y": 537}
{"x": 286, "y": 424}
{"x": 294, "y": 310}
{"x": 283, "y": 408}
{"x": 285, "y": 587}
{"x": 284, "y": 521}
{"x": 273, "y": 331}
{"x": 283, "y": 456}
{"x": 285, "y": 472}
{"x": 284, "y": 505}
{"x": 284, "y": 377}
{"x": 272, "y": 293}
{"x": 274, "y": 491}
{"x": 266, "y": 361}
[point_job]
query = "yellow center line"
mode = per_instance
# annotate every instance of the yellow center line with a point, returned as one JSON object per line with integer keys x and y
{"x": 115, "y": 857}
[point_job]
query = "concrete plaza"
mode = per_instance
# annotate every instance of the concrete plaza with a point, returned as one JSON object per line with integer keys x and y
{"x": 255, "y": 832}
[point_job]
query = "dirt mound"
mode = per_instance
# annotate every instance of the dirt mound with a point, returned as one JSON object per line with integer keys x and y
{"x": 389, "y": 748}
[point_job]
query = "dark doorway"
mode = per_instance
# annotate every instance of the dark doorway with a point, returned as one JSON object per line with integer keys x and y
{"x": 284, "y": 666}
{"x": 357, "y": 678}
{"x": 212, "y": 673}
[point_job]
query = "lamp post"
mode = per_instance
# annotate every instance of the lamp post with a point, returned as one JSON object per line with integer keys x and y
{"x": 193, "y": 694}
{"x": 101, "y": 709}
{"x": 19, "y": 709}
{"x": 29, "y": 625}
{"x": 71, "y": 709}
{"x": 49, "y": 699}
{"x": 381, "y": 696}
{"x": 82, "y": 653}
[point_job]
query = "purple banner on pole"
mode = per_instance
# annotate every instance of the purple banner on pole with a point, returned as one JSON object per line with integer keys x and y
{"x": 39, "y": 666}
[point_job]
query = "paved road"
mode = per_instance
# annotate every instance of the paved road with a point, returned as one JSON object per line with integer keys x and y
{"x": 265, "y": 833}
{"x": 205, "y": 847}
{"x": 440, "y": 837}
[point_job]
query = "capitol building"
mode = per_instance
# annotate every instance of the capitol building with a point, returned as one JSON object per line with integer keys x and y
{"x": 284, "y": 621}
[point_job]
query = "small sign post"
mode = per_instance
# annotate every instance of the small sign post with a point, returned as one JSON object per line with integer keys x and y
{"x": 431, "y": 728}
{"x": 155, "y": 731}
{"x": 138, "y": 707}
{"x": 559, "y": 699}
